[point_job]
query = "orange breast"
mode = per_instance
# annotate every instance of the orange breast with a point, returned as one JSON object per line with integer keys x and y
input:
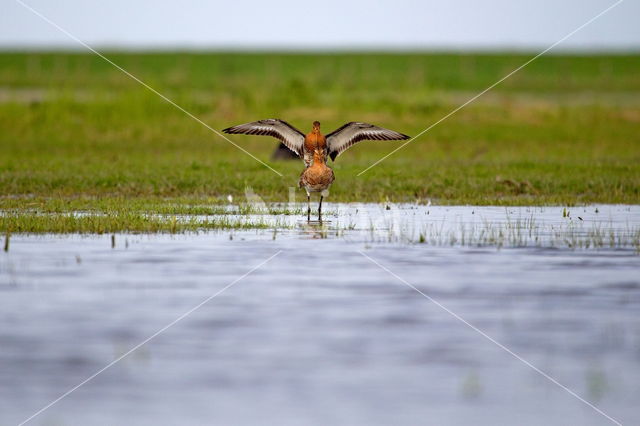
{"x": 313, "y": 141}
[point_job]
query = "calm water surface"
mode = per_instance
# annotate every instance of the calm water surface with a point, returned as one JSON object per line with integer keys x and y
{"x": 320, "y": 334}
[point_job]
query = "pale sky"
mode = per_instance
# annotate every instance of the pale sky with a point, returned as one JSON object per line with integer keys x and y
{"x": 326, "y": 24}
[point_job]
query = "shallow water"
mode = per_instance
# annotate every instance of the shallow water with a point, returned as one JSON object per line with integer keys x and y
{"x": 613, "y": 226}
{"x": 320, "y": 334}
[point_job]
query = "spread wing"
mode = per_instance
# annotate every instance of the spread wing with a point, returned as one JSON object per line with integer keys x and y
{"x": 351, "y": 133}
{"x": 279, "y": 129}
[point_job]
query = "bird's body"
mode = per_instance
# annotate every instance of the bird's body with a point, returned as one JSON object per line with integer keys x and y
{"x": 314, "y": 147}
{"x": 318, "y": 177}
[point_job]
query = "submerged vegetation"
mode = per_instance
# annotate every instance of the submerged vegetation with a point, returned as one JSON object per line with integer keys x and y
{"x": 143, "y": 205}
{"x": 123, "y": 222}
{"x": 361, "y": 224}
{"x": 521, "y": 233}
{"x": 79, "y": 135}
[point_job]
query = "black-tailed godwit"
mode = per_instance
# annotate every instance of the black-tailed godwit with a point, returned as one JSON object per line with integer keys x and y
{"x": 314, "y": 147}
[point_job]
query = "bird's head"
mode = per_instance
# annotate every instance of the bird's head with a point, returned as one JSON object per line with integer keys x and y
{"x": 316, "y": 126}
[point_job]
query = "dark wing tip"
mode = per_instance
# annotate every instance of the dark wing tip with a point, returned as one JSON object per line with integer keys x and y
{"x": 228, "y": 130}
{"x": 333, "y": 155}
{"x": 404, "y": 137}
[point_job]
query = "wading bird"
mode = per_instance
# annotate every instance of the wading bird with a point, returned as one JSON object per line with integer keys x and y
{"x": 314, "y": 147}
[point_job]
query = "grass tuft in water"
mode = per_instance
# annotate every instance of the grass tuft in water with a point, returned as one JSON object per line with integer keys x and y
{"x": 122, "y": 222}
{"x": 519, "y": 233}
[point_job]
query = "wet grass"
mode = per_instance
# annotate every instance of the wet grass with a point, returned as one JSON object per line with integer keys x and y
{"x": 78, "y": 135}
{"x": 30, "y": 223}
{"x": 529, "y": 234}
{"x": 144, "y": 205}
{"x": 520, "y": 232}
{"x": 511, "y": 231}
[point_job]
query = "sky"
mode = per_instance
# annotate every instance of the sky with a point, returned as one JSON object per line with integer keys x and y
{"x": 326, "y": 24}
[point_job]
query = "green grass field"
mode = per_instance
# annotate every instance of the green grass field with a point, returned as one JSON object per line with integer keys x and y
{"x": 78, "y": 134}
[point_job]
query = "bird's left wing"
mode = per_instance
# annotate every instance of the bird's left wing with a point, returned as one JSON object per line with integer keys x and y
{"x": 279, "y": 129}
{"x": 351, "y": 133}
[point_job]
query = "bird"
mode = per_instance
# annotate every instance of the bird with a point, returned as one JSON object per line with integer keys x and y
{"x": 318, "y": 177}
{"x": 305, "y": 146}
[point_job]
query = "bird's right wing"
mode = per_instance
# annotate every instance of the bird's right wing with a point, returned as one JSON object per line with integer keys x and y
{"x": 351, "y": 133}
{"x": 279, "y": 129}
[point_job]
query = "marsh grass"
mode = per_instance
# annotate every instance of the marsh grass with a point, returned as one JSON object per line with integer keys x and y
{"x": 167, "y": 206}
{"x": 508, "y": 232}
{"x": 96, "y": 223}
{"x": 78, "y": 135}
{"x": 519, "y": 233}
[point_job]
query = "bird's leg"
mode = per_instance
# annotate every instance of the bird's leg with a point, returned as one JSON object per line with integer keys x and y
{"x": 308, "y": 207}
{"x": 320, "y": 210}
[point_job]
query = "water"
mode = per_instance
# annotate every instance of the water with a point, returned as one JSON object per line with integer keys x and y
{"x": 320, "y": 334}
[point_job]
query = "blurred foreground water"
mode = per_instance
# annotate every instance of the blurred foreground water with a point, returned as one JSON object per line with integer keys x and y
{"x": 320, "y": 334}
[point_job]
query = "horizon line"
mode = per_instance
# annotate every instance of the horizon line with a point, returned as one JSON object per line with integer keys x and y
{"x": 383, "y": 49}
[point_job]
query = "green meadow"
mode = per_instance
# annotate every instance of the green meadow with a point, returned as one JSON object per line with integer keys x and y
{"x": 77, "y": 134}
